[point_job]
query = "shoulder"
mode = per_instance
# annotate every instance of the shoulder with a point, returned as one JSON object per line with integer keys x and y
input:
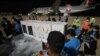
{"x": 76, "y": 40}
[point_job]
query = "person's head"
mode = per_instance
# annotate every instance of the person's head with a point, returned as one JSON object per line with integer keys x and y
{"x": 13, "y": 18}
{"x": 53, "y": 19}
{"x": 4, "y": 19}
{"x": 88, "y": 18}
{"x": 41, "y": 52}
{"x": 55, "y": 42}
{"x": 77, "y": 17}
{"x": 17, "y": 21}
{"x": 74, "y": 27}
{"x": 70, "y": 33}
{"x": 59, "y": 18}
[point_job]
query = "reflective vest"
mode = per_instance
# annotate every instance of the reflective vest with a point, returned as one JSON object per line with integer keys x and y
{"x": 86, "y": 25}
{"x": 76, "y": 22}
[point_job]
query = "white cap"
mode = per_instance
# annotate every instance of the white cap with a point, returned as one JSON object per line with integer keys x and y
{"x": 65, "y": 14}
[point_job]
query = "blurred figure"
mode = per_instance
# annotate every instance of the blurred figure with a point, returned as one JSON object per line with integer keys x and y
{"x": 13, "y": 19}
{"x": 63, "y": 18}
{"x": 41, "y": 53}
{"x": 44, "y": 46}
{"x": 2, "y": 38}
{"x": 66, "y": 20}
{"x": 72, "y": 46}
{"x": 53, "y": 19}
{"x": 76, "y": 22}
{"x": 93, "y": 36}
{"x": 77, "y": 30}
{"x": 7, "y": 26}
{"x": 59, "y": 20}
{"x": 19, "y": 17}
{"x": 30, "y": 17}
{"x": 13, "y": 22}
{"x": 67, "y": 27}
{"x": 55, "y": 43}
{"x": 85, "y": 26}
{"x": 18, "y": 29}
{"x": 92, "y": 21}
{"x": 49, "y": 19}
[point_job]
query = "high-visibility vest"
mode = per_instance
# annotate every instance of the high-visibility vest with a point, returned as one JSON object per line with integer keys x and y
{"x": 86, "y": 25}
{"x": 76, "y": 22}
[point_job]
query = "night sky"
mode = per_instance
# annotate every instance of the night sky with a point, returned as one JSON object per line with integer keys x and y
{"x": 25, "y": 6}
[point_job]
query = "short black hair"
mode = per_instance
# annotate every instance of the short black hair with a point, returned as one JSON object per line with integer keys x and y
{"x": 88, "y": 18}
{"x": 53, "y": 19}
{"x": 74, "y": 26}
{"x": 4, "y": 18}
{"x": 56, "y": 41}
{"x": 71, "y": 32}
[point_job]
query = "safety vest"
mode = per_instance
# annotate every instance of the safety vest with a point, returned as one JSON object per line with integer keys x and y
{"x": 86, "y": 25}
{"x": 76, "y": 22}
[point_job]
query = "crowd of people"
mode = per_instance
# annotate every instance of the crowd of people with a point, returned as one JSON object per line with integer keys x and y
{"x": 59, "y": 19}
{"x": 10, "y": 28}
{"x": 69, "y": 44}
{"x": 59, "y": 44}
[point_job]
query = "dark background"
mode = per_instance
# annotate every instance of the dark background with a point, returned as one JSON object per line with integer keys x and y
{"x": 25, "y": 6}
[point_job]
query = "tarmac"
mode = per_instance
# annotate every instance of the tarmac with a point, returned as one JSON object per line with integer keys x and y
{"x": 25, "y": 46}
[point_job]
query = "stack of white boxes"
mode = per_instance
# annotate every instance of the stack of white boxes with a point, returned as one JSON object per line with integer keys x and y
{"x": 41, "y": 29}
